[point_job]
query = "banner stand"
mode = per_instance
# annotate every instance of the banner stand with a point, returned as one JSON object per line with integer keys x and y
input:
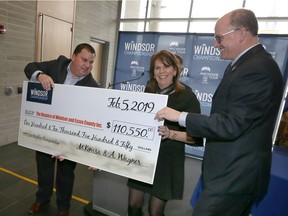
{"x": 88, "y": 209}
{"x": 110, "y": 195}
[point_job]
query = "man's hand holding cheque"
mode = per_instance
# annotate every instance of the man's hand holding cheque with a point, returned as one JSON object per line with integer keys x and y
{"x": 167, "y": 113}
{"x": 175, "y": 116}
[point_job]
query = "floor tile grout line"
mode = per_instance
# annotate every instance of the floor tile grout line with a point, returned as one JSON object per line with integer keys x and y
{"x": 34, "y": 182}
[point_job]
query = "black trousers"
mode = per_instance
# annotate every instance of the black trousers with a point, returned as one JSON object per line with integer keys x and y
{"x": 210, "y": 204}
{"x": 64, "y": 180}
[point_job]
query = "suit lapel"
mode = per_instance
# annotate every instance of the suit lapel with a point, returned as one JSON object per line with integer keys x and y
{"x": 229, "y": 70}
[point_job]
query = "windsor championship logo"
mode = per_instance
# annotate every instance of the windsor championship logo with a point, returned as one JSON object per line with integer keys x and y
{"x": 139, "y": 48}
{"x": 36, "y": 93}
{"x": 208, "y": 75}
{"x": 176, "y": 49}
{"x": 136, "y": 68}
{"x": 206, "y": 52}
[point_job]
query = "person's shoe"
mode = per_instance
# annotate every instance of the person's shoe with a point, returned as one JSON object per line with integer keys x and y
{"x": 36, "y": 207}
{"x": 63, "y": 213}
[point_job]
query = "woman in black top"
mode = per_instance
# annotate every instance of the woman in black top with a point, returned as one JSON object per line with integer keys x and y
{"x": 169, "y": 176}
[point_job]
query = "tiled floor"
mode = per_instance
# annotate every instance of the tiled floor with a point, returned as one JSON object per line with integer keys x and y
{"x": 18, "y": 185}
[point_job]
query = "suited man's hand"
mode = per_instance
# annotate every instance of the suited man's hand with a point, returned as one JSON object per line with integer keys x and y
{"x": 46, "y": 81}
{"x": 167, "y": 113}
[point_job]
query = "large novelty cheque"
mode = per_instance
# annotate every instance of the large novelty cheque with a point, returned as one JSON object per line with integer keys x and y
{"x": 111, "y": 130}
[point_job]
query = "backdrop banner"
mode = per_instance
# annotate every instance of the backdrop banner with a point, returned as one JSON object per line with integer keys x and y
{"x": 203, "y": 68}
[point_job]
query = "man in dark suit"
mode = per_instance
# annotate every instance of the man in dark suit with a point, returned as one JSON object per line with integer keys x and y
{"x": 237, "y": 158}
{"x": 74, "y": 71}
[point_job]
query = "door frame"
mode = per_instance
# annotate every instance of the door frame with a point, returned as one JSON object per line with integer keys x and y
{"x": 105, "y": 53}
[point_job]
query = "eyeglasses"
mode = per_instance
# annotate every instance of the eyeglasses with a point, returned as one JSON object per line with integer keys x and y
{"x": 220, "y": 37}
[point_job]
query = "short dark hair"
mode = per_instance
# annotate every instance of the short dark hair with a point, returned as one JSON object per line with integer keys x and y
{"x": 82, "y": 46}
{"x": 246, "y": 19}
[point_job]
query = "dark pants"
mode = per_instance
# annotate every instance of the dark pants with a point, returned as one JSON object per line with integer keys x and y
{"x": 64, "y": 180}
{"x": 223, "y": 205}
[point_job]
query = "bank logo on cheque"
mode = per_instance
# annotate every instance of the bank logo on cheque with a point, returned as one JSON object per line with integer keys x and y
{"x": 36, "y": 93}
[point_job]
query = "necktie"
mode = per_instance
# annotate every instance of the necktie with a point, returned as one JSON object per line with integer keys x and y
{"x": 227, "y": 70}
